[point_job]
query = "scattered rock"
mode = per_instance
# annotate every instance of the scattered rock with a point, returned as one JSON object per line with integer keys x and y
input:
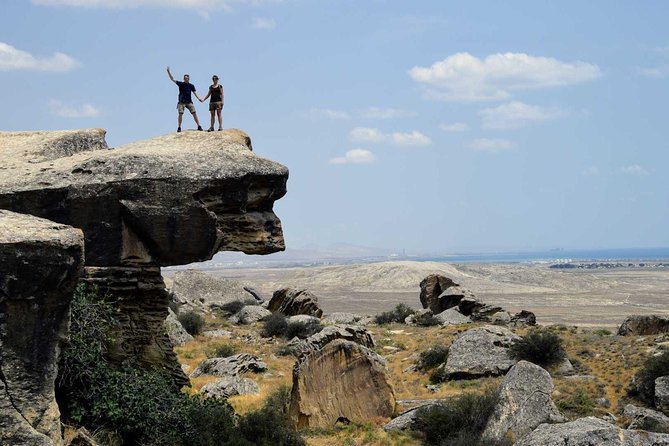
{"x": 452, "y": 317}
{"x": 480, "y": 352}
{"x": 421, "y": 317}
{"x": 231, "y": 366}
{"x": 347, "y": 318}
{"x": 644, "y": 325}
{"x": 255, "y": 294}
{"x": 646, "y": 419}
{"x": 250, "y": 314}
{"x": 523, "y": 403}
{"x": 317, "y": 341}
{"x": 344, "y": 379}
{"x": 175, "y": 331}
{"x": 564, "y": 368}
{"x": 523, "y": 319}
{"x": 230, "y": 386}
{"x": 407, "y": 420}
{"x": 290, "y": 301}
{"x": 662, "y": 394}
{"x": 590, "y": 431}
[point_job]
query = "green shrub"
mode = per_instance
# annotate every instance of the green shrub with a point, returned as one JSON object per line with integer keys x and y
{"x": 397, "y": 314}
{"x": 233, "y": 307}
{"x": 579, "y": 403}
{"x": 457, "y": 421}
{"x": 220, "y": 351}
{"x": 601, "y": 332}
{"x": 653, "y": 368}
{"x": 275, "y": 325}
{"x": 432, "y": 357}
{"x": 438, "y": 375}
{"x": 428, "y": 321}
{"x": 302, "y": 329}
{"x": 539, "y": 347}
{"x": 192, "y": 322}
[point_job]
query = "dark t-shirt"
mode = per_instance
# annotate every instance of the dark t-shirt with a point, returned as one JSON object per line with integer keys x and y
{"x": 185, "y": 91}
{"x": 216, "y": 93}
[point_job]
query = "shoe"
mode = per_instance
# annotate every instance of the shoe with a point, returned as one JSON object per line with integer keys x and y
{"x": 178, "y": 129}
{"x": 220, "y": 130}
{"x": 199, "y": 127}
{"x": 210, "y": 129}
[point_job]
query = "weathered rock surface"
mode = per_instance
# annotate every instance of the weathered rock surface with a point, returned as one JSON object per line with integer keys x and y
{"x": 642, "y": 418}
{"x": 432, "y": 293}
{"x": 452, "y": 317}
{"x": 175, "y": 331}
{"x": 303, "y": 319}
{"x": 347, "y": 318}
{"x": 199, "y": 291}
{"x": 407, "y": 419}
{"x": 344, "y": 380}
{"x": 290, "y": 302}
{"x": 250, "y": 314}
{"x": 40, "y": 264}
{"x": 523, "y": 403}
{"x": 480, "y": 352}
{"x": 590, "y": 431}
{"x": 230, "y": 386}
{"x": 317, "y": 341}
{"x": 644, "y": 325}
{"x": 231, "y": 366}
{"x": 523, "y": 318}
{"x": 662, "y": 394}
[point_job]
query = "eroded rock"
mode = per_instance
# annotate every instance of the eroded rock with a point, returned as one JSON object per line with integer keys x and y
{"x": 452, "y": 317}
{"x": 230, "y": 366}
{"x": 175, "y": 331}
{"x": 317, "y": 341}
{"x": 230, "y": 386}
{"x": 291, "y": 302}
{"x": 199, "y": 291}
{"x": 662, "y": 394}
{"x": 250, "y": 314}
{"x": 646, "y": 419}
{"x": 644, "y": 325}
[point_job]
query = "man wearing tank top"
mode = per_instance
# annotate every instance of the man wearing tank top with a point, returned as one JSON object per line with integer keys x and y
{"x": 215, "y": 103}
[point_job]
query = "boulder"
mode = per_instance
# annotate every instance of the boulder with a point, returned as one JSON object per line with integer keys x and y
{"x": 255, "y": 294}
{"x": 423, "y": 317}
{"x": 642, "y": 418}
{"x": 347, "y": 318}
{"x": 452, "y": 317}
{"x": 303, "y": 319}
{"x": 230, "y": 386}
{"x": 231, "y": 366}
{"x": 590, "y": 431}
{"x": 290, "y": 302}
{"x": 317, "y": 341}
{"x": 407, "y": 420}
{"x": 523, "y": 319}
{"x": 523, "y": 403}
{"x": 175, "y": 331}
{"x": 662, "y": 394}
{"x": 40, "y": 264}
{"x": 480, "y": 352}
{"x": 250, "y": 314}
{"x": 342, "y": 381}
{"x": 433, "y": 295}
{"x": 644, "y": 325}
{"x": 199, "y": 291}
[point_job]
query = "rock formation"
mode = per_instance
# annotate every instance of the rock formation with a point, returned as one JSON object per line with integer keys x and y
{"x": 233, "y": 365}
{"x": 170, "y": 200}
{"x": 317, "y": 341}
{"x": 230, "y": 386}
{"x": 342, "y": 381}
{"x": 40, "y": 264}
{"x": 432, "y": 289}
{"x": 198, "y": 291}
{"x": 644, "y": 325}
{"x": 662, "y": 394}
{"x": 175, "y": 331}
{"x": 250, "y": 314}
{"x": 646, "y": 419}
{"x": 291, "y": 302}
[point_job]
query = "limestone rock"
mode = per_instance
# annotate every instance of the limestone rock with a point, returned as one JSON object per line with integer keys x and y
{"x": 196, "y": 290}
{"x": 344, "y": 380}
{"x": 432, "y": 293}
{"x": 347, "y": 318}
{"x": 317, "y": 341}
{"x": 642, "y": 418}
{"x": 523, "y": 319}
{"x": 40, "y": 264}
{"x": 231, "y": 366}
{"x": 290, "y": 302}
{"x": 590, "y": 431}
{"x": 303, "y": 319}
{"x": 452, "y": 317}
{"x": 230, "y": 386}
{"x": 407, "y": 420}
{"x": 175, "y": 331}
{"x": 644, "y": 325}
{"x": 250, "y": 314}
{"x": 480, "y": 352}
{"x": 523, "y": 403}
{"x": 662, "y": 394}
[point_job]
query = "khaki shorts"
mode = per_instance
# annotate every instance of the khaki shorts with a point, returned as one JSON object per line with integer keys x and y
{"x": 189, "y": 106}
{"x": 215, "y": 106}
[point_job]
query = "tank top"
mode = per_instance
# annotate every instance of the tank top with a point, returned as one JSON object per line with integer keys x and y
{"x": 216, "y": 93}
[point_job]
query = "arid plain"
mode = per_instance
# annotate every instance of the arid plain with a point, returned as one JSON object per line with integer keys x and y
{"x": 584, "y": 297}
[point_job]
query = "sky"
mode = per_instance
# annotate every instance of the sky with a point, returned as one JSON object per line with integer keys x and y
{"x": 430, "y": 126}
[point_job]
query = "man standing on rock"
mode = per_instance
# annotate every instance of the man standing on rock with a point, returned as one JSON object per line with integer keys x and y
{"x": 185, "y": 100}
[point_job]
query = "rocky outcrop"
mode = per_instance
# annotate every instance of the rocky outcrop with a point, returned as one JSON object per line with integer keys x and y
{"x": 199, "y": 291}
{"x": 342, "y": 381}
{"x": 290, "y": 302}
{"x": 231, "y": 366}
{"x": 642, "y": 418}
{"x": 175, "y": 331}
{"x": 662, "y": 394}
{"x": 170, "y": 200}
{"x": 523, "y": 403}
{"x": 250, "y": 314}
{"x": 433, "y": 293}
{"x": 452, "y": 317}
{"x": 644, "y": 325}
{"x": 409, "y": 419}
{"x": 590, "y": 431}
{"x": 230, "y": 386}
{"x": 353, "y": 333}
{"x": 347, "y": 318}
{"x": 40, "y": 264}
{"x": 480, "y": 352}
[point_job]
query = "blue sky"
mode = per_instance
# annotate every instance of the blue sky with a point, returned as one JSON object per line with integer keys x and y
{"x": 432, "y": 126}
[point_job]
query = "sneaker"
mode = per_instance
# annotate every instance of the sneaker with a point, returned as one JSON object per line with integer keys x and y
{"x": 199, "y": 127}
{"x": 220, "y": 130}
{"x": 210, "y": 129}
{"x": 178, "y": 129}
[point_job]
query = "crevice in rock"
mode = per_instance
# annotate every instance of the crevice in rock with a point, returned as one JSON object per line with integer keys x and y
{"x": 9, "y": 396}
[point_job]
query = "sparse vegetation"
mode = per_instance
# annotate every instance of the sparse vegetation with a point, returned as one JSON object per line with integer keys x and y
{"x": 432, "y": 357}
{"x": 397, "y": 314}
{"x": 220, "y": 351}
{"x": 302, "y": 329}
{"x": 540, "y": 347}
{"x": 579, "y": 404}
{"x": 233, "y": 307}
{"x": 275, "y": 325}
{"x": 653, "y": 368}
{"x": 601, "y": 332}
{"x": 192, "y": 322}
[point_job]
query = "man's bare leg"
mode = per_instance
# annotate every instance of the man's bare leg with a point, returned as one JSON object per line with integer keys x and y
{"x": 197, "y": 121}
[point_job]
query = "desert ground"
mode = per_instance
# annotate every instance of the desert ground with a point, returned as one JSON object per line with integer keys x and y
{"x": 582, "y": 297}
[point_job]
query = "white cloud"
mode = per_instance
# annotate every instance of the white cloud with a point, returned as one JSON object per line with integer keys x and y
{"x": 492, "y": 145}
{"x": 263, "y": 23}
{"x": 15, "y": 59}
{"x": 455, "y": 127}
{"x": 67, "y": 111}
{"x": 463, "y": 77}
{"x": 355, "y": 156}
{"x": 517, "y": 114}
{"x": 591, "y": 171}
{"x": 634, "y": 169}
{"x": 657, "y": 72}
{"x": 197, "y": 5}
{"x": 385, "y": 113}
{"x": 329, "y": 113}
{"x": 370, "y": 135}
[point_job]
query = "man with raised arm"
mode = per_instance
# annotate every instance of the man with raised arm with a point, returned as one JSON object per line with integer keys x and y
{"x": 185, "y": 100}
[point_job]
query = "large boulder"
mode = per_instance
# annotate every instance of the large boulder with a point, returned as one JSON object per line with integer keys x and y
{"x": 291, "y": 302}
{"x": 523, "y": 403}
{"x": 662, "y": 394}
{"x": 590, "y": 431}
{"x": 175, "y": 331}
{"x": 452, "y": 317}
{"x": 199, "y": 291}
{"x": 644, "y": 325}
{"x": 230, "y": 386}
{"x": 481, "y": 352}
{"x": 40, "y": 264}
{"x": 230, "y": 366}
{"x": 317, "y": 341}
{"x": 342, "y": 381}
{"x": 642, "y": 418}
{"x": 250, "y": 314}
{"x": 407, "y": 420}
{"x": 433, "y": 294}
{"x": 347, "y": 318}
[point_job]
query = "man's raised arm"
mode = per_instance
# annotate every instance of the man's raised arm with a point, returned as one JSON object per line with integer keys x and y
{"x": 170, "y": 75}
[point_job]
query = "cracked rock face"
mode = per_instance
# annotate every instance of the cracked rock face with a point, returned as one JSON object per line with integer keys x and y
{"x": 40, "y": 264}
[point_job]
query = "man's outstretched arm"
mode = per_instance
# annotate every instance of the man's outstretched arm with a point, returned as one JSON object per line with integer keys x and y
{"x": 170, "y": 75}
